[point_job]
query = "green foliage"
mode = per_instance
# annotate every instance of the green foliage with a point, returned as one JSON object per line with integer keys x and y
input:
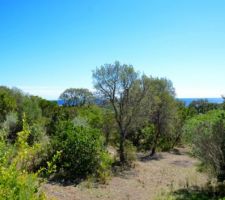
{"x": 98, "y": 118}
{"x": 103, "y": 172}
{"x": 109, "y": 127}
{"x": 163, "y": 113}
{"x": 60, "y": 114}
{"x": 93, "y": 114}
{"x": 15, "y": 181}
{"x": 7, "y": 102}
{"x": 31, "y": 109}
{"x": 201, "y": 106}
{"x": 159, "y": 117}
{"x": 37, "y": 134}
{"x": 193, "y": 127}
{"x": 120, "y": 85}
{"x": 47, "y": 107}
{"x": 130, "y": 152}
{"x": 82, "y": 150}
{"x": 80, "y": 121}
{"x": 9, "y": 126}
{"x": 206, "y": 133}
{"x": 138, "y": 102}
{"x": 146, "y": 137}
{"x": 51, "y": 165}
{"x": 13, "y": 103}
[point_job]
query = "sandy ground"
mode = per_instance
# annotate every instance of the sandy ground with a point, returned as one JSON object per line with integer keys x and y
{"x": 150, "y": 176}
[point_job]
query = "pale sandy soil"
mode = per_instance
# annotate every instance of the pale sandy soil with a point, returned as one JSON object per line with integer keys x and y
{"x": 144, "y": 182}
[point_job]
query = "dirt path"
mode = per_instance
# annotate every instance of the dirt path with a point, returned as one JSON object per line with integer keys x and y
{"x": 144, "y": 182}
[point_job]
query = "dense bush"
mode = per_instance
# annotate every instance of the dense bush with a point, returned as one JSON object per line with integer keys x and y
{"x": 100, "y": 118}
{"x": 93, "y": 114}
{"x": 82, "y": 149}
{"x": 9, "y": 126}
{"x": 15, "y": 180}
{"x": 143, "y": 138}
{"x": 206, "y": 133}
{"x": 7, "y": 102}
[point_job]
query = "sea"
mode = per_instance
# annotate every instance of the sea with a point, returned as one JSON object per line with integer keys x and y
{"x": 187, "y": 101}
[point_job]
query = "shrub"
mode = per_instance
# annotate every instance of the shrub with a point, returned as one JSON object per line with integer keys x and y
{"x": 206, "y": 133}
{"x": 130, "y": 152}
{"x": 93, "y": 115}
{"x": 7, "y": 102}
{"x": 103, "y": 172}
{"x": 15, "y": 181}
{"x": 82, "y": 149}
{"x": 37, "y": 134}
{"x": 9, "y": 127}
{"x": 146, "y": 137}
{"x": 80, "y": 121}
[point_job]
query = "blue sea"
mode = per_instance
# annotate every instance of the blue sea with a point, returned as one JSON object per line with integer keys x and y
{"x": 187, "y": 101}
{"x": 60, "y": 102}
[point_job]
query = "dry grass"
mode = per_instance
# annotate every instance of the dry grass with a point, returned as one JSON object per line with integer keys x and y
{"x": 150, "y": 176}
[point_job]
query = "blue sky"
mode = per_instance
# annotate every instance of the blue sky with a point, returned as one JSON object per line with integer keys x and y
{"x": 47, "y": 46}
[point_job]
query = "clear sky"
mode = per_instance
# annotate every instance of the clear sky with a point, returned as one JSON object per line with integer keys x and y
{"x": 47, "y": 46}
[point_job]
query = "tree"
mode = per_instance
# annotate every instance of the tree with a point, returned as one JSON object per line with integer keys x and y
{"x": 180, "y": 119}
{"x": 118, "y": 84}
{"x": 76, "y": 97}
{"x": 161, "y": 108}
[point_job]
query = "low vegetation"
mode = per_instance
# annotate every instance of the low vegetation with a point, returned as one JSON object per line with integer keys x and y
{"x": 16, "y": 181}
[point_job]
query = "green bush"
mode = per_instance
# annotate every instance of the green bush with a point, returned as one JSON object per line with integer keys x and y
{"x": 82, "y": 149}
{"x": 103, "y": 172}
{"x": 147, "y": 137}
{"x": 203, "y": 123}
{"x": 16, "y": 183}
{"x": 93, "y": 115}
{"x": 7, "y": 102}
{"x": 206, "y": 134}
{"x": 130, "y": 152}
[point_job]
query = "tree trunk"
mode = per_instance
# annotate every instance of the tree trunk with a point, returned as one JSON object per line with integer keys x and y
{"x": 153, "y": 150}
{"x": 176, "y": 141}
{"x": 121, "y": 149}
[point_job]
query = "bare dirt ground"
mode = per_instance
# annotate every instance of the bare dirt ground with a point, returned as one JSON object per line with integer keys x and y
{"x": 149, "y": 177}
